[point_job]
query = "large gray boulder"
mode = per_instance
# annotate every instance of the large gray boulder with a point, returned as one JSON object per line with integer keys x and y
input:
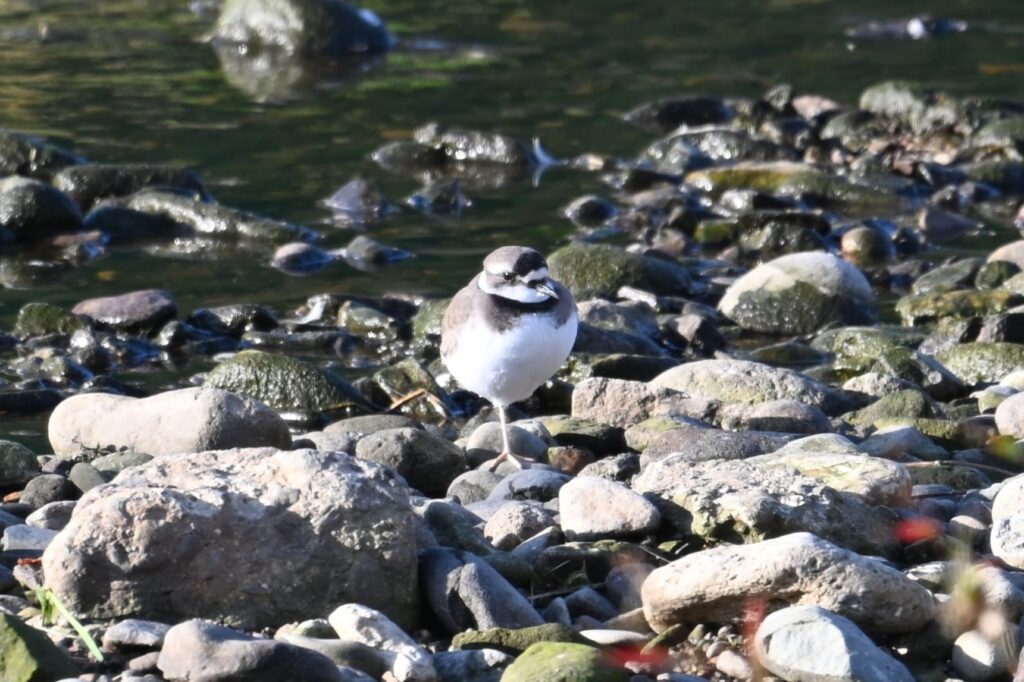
{"x": 800, "y": 293}
{"x": 251, "y": 537}
{"x": 174, "y": 422}
{"x": 715, "y": 585}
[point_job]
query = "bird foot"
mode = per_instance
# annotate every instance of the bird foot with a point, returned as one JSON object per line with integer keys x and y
{"x": 516, "y": 461}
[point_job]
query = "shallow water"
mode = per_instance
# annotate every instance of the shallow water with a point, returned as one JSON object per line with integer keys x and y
{"x": 131, "y": 81}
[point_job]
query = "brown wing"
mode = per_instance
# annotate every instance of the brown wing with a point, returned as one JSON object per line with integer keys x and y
{"x": 455, "y": 316}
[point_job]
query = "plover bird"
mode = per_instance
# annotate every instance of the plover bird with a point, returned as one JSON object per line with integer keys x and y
{"x": 508, "y": 331}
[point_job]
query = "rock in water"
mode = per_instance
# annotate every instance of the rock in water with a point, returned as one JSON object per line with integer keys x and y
{"x": 182, "y": 421}
{"x": 800, "y": 293}
{"x": 252, "y": 537}
{"x": 313, "y": 27}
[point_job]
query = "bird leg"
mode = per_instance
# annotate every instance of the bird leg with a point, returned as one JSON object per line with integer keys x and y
{"x": 506, "y": 450}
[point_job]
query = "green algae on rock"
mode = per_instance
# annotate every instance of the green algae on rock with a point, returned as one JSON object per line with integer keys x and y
{"x": 563, "y": 662}
{"x": 39, "y": 319}
{"x": 919, "y": 308}
{"x": 800, "y": 293}
{"x": 515, "y": 641}
{"x": 982, "y": 362}
{"x": 285, "y": 383}
{"x": 28, "y": 655}
{"x": 593, "y": 270}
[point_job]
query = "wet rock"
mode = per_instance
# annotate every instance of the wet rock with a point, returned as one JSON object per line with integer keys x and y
{"x": 366, "y": 253}
{"x": 866, "y": 246}
{"x": 18, "y": 464}
{"x": 429, "y": 463}
{"x": 708, "y": 500}
{"x": 800, "y": 293}
{"x": 590, "y": 211}
{"x": 322, "y": 528}
{"x": 235, "y": 319}
{"x": 200, "y": 650}
{"x": 440, "y": 197}
{"x": 215, "y": 220}
{"x": 357, "y": 203}
{"x": 788, "y": 178}
{"x": 30, "y": 210}
{"x": 595, "y": 270}
{"x": 88, "y": 183}
{"x": 563, "y": 662}
{"x": 750, "y": 383}
{"x": 284, "y": 383}
{"x": 531, "y": 484}
{"x": 982, "y": 362}
{"x": 312, "y": 27}
{"x": 809, "y": 642}
{"x": 595, "y": 508}
{"x": 795, "y": 569}
{"x": 475, "y": 146}
{"x": 28, "y": 654}
{"x": 669, "y": 114}
{"x": 30, "y": 155}
{"x": 139, "y": 311}
{"x": 948, "y": 277}
{"x": 956, "y": 304}
{"x": 937, "y": 225}
{"x": 300, "y": 258}
{"x": 1005, "y": 175}
{"x": 613, "y": 401}
{"x": 920, "y": 108}
{"x": 463, "y": 591}
{"x": 180, "y": 421}
{"x": 404, "y": 657}
{"x": 40, "y": 319}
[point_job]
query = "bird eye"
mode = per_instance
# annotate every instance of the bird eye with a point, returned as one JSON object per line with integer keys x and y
{"x": 508, "y": 276}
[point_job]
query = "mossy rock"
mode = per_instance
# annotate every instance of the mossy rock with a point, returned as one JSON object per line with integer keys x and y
{"x": 949, "y": 277}
{"x": 995, "y": 274}
{"x": 946, "y": 432}
{"x": 285, "y": 384}
{"x": 17, "y": 464}
{"x": 426, "y": 324}
{"x": 403, "y": 379}
{"x": 919, "y": 308}
{"x": 908, "y": 403}
{"x": 601, "y": 439}
{"x": 1006, "y": 176}
{"x": 515, "y": 641}
{"x": 28, "y": 655}
{"x": 39, "y": 319}
{"x": 598, "y": 270}
{"x": 563, "y": 662}
{"x": 982, "y": 362}
{"x": 788, "y": 178}
{"x": 917, "y": 106}
{"x": 639, "y": 436}
{"x": 962, "y": 478}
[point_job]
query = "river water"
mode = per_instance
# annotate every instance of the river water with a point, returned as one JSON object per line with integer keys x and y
{"x": 132, "y": 81}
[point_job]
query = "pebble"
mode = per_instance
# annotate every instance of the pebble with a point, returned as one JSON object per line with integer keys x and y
{"x": 514, "y": 522}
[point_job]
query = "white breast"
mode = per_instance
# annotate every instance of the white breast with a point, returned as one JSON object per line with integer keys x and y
{"x": 506, "y": 367}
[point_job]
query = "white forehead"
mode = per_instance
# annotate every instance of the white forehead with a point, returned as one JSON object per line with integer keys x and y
{"x": 539, "y": 273}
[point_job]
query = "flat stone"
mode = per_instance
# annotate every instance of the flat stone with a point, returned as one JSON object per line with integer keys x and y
{"x": 135, "y": 633}
{"x": 53, "y": 516}
{"x": 138, "y": 311}
{"x": 25, "y": 537}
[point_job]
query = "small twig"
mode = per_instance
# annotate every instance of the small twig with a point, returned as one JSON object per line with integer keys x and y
{"x": 407, "y": 398}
